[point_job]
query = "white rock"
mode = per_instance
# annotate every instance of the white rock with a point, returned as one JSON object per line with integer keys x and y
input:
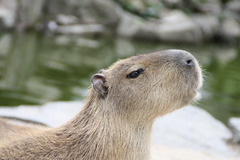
{"x": 193, "y": 128}
{"x": 66, "y": 19}
{"x": 80, "y": 29}
{"x": 174, "y": 153}
{"x": 234, "y": 125}
{"x": 52, "y": 114}
{"x": 8, "y": 13}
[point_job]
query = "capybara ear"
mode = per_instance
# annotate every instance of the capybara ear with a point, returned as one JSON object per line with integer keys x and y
{"x": 99, "y": 84}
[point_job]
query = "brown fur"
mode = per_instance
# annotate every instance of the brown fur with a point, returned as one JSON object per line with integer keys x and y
{"x": 116, "y": 121}
{"x": 12, "y": 129}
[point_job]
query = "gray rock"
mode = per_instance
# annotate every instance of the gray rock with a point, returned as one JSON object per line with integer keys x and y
{"x": 234, "y": 5}
{"x": 66, "y": 19}
{"x": 206, "y": 6}
{"x": 174, "y": 26}
{"x": 230, "y": 29}
{"x": 138, "y": 4}
{"x": 233, "y": 9}
{"x": 20, "y": 14}
{"x": 80, "y": 29}
{"x": 105, "y": 12}
{"x": 129, "y": 25}
{"x": 29, "y": 13}
{"x": 208, "y": 24}
{"x": 8, "y": 13}
{"x": 173, "y": 3}
{"x": 234, "y": 125}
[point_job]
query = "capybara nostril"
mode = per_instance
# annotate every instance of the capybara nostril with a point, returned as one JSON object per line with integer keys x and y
{"x": 190, "y": 63}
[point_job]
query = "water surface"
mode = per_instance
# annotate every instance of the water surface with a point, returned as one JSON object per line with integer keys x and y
{"x": 37, "y": 68}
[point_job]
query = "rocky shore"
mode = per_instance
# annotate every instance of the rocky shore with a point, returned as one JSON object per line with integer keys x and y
{"x": 188, "y": 21}
{"x": 188, "y": 132}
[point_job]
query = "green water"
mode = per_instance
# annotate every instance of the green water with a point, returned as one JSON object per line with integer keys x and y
{"x": 37, "y": 68}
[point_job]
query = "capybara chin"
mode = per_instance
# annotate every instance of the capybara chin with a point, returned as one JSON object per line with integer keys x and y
{"x": 116, "y": 120}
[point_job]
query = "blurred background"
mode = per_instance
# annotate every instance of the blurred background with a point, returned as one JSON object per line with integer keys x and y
{"x": 50, "y": 49}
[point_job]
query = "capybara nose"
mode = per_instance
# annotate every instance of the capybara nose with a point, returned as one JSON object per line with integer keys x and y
{"x": 185, "y": 58}
{"x": 189, "y": 62}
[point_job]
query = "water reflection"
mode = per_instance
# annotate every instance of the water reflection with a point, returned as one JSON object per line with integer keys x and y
{"x": 223, "y": 88}
{"x": 38, "y": 68}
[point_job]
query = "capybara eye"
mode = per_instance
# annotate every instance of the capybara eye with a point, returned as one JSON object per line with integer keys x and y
{"x": 135, "y": 74}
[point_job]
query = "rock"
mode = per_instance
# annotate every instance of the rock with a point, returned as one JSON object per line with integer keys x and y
{"x": 66, "y": 19}
{"x": 7, "y": 13}
{"x": 230, "y": 29}
{"x": 230, "y": 26}
{"x": 205, "y": 6}
{"x": 193, "y": 128}
{"x": 188, "y": 132}
{"x": 52, "y": 114}
{"x": 173, "y": 3}
{"x": 105, "y": 12}
{"x": 208, "y": 24}
{"x": 173, "y": 153}
{"x": 56, "y": 7}
{"x": 176, "y": 26}
{"x": 107, "y": 16}
{"x": 234, "y": 125}
{"x": 29, "y": 13}
{"x": 151, "y": 1}
{"x": 81, "y": 29}
{"x": 129, "y": 25}
{"x": 234, "y": 6}
{"x": 233, "y": 9}
{"x": 138, "y": 4}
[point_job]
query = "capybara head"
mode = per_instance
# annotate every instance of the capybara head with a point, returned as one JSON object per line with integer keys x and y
{"x": 152, "y": 84}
